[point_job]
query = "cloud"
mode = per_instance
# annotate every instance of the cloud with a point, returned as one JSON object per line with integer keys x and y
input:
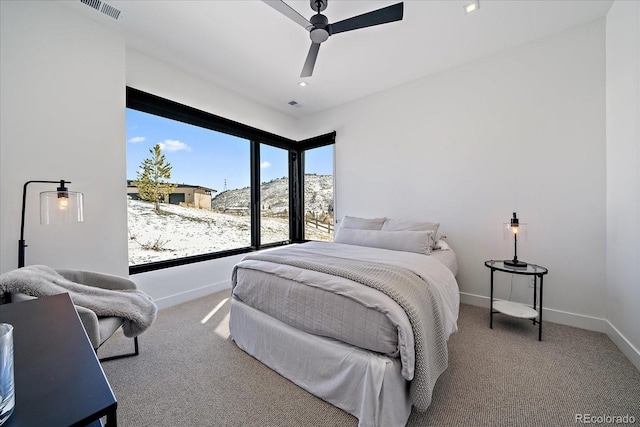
{"x": 137, "y": 139}
{"x": 265, "y": 165}
{"x": 171, "y": 145}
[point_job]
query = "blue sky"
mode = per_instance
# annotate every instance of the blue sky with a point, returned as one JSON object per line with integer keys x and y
{"x": 207, "y": 158}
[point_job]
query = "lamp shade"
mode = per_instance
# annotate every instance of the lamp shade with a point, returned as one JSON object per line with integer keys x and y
{"x": 60, "y": 207}
{"x": 514, "y": 228}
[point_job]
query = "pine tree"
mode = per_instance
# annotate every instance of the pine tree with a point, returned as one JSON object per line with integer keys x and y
{"x": 152, "y": 178}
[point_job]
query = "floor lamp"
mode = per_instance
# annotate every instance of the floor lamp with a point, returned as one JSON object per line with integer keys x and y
{"x": 56, "y": 207}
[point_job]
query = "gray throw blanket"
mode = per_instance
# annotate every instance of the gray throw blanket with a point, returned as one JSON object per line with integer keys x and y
{"x": 136, "y": 307}
{"x": 409, "y": 291}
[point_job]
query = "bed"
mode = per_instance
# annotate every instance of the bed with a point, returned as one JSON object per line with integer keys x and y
{"x": 361, "y": 322}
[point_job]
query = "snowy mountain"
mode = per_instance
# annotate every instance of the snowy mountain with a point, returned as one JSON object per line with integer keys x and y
{"x": 274, "y": 195}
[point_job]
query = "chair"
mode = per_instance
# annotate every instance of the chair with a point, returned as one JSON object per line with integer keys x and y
{"x": 98, "y": 328}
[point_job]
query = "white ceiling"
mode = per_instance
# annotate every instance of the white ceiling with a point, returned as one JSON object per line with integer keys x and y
{"x": 251, "y": 49}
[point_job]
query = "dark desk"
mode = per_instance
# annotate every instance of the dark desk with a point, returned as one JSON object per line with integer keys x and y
{"x": 58, "y": 379}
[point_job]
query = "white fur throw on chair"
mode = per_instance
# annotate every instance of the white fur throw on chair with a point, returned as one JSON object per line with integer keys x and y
{"x": 135, "y": 306}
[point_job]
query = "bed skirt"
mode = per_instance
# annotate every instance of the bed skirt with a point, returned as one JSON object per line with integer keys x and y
{"x": 367, "y": 385}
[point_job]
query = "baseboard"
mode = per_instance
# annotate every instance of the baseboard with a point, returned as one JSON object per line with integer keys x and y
{"x": 556, "y": 316}
{"x": 632, "y": 353}
{"x": 191, "y": 294}
{"x": 572, "y": 319}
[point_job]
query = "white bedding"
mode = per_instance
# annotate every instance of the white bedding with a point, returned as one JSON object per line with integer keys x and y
{"x": 429, "y": 267}
{"x": 253, "y": 290}
{"x": 448, "y": 258}
{"x": 313, "y": 309}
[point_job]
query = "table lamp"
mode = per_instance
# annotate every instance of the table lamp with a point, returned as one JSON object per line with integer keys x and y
{"x": 515, "y": 228}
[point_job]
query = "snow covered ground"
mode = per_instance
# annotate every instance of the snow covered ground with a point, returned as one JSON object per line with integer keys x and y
{"x": 178, "y": 232}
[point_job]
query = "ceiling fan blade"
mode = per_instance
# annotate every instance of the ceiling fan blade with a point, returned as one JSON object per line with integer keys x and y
{"x": 289, "y": 12}
{"x": 381, "y": 16}
{"x": 310, "y": 62}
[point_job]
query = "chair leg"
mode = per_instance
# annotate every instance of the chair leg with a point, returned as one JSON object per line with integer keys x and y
{"x": 121, "y": 356}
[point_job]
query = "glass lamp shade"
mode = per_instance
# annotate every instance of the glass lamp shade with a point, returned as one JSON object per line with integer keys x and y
{"x": 509, "y": 231}
{"x": 61, "y": 207}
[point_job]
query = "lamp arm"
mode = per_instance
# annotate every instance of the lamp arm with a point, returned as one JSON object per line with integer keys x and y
{"x": 21, "y": 243}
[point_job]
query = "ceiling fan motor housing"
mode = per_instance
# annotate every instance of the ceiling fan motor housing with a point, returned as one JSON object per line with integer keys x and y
{"x": 321, "y": 28}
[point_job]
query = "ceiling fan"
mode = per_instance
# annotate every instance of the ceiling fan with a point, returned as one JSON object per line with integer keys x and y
{"x": 320, "y": 29}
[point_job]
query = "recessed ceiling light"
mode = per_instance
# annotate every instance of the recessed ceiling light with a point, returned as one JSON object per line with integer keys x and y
{"x": 303, "y": 84}
{"x": 472, "y": 7}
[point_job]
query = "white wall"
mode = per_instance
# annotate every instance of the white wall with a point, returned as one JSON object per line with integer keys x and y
{"x": 623, "y": 176}
{"x": 523, "y": 130}
{"x": 62, "y": 117}
{"x": 167, "y": 81}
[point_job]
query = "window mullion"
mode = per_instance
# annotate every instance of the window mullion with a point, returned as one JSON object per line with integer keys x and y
{"x": 296, "y": 195}
{"x": 255, "y": 194}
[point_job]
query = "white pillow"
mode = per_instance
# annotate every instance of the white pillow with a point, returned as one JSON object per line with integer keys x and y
{"x": 362, "y": 223}
{"x": 403, "y": 225}
{"x": 442, "y": 245}
{"x": 407, "y": 241}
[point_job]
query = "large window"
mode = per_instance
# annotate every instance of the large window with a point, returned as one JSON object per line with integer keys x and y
{"x": 274, "y": 194}
{"x": 201, "y": 186}
{"x": 318, "y": 193}
{"x": 207, "y": 208}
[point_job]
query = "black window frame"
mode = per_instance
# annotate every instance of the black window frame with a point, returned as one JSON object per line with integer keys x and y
{"x": 152, "y": 104}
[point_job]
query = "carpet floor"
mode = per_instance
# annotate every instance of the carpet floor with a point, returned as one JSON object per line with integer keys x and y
{"x": 190, "y": 373}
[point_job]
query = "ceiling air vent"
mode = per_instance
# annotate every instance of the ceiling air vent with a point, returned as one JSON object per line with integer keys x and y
{"x": 93, "y": 3}
{"x": 105, "y": 8}
{"x": 295, "y": 104}
{"x": 110, "y": 10}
